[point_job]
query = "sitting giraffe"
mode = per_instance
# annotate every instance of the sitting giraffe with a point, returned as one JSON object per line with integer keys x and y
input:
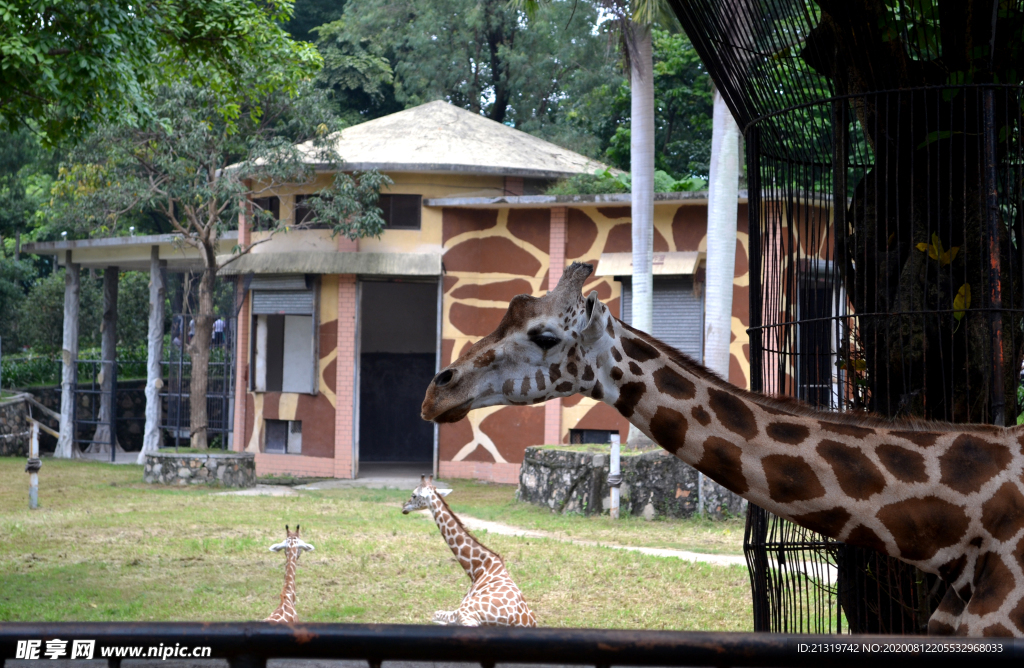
{"x": 947, "y": 498}
{"x": 293, "y": 546}
{"x": 493, "y": 598}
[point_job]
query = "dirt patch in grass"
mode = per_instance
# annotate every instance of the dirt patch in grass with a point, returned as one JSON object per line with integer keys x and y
{"x": 104, "y": 546}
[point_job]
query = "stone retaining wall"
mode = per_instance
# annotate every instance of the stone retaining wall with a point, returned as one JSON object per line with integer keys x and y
{"x": 14, "y": 427}
{"x": 236, "y": 469}
{"x": 654, "y": 484}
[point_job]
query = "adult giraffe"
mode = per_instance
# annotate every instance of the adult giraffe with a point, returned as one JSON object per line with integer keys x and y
{"x": 946, "y": 498}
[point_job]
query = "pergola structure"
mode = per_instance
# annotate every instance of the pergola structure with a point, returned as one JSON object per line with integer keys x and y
{"x": 157, "y": 254}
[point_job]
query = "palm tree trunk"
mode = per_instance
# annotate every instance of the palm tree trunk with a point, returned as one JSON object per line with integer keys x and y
{"x": 723, "y": 191}
{"x": 641, "y": 165}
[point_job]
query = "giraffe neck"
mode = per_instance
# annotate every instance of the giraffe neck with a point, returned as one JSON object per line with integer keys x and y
{"x": 288, "y": 593}
{"x": 899, "y": 488}
{"x": 474, "y": 558}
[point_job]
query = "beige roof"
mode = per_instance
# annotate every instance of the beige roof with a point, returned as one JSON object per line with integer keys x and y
{"x": 441, "y": 138}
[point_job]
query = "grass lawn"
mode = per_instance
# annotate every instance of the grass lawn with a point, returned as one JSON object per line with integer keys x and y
{"x": 104, "y": 546}
{"x": 497, "y": 503}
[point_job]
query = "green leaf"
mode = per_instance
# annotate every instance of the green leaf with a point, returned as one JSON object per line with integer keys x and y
{"x": 962, "y": 301}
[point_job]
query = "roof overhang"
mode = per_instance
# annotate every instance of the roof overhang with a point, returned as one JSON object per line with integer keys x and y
{"x": 129, "y": 253}
{"x": 547, "y": 201}
{"x": 684, "y": 263}
{"x": 325, "y": 262}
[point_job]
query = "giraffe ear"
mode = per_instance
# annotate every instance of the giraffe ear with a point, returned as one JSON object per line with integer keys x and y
{"x": 444, "y": 492}
{"x": 278, "y": 547}
{"x": 595, "y": 318}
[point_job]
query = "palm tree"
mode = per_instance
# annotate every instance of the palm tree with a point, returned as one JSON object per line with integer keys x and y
{"x": 723, "y": 192}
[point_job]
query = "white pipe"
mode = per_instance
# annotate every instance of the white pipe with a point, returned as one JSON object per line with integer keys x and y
{"x": 614, "y": 473}
{"x": 33, "y": 478}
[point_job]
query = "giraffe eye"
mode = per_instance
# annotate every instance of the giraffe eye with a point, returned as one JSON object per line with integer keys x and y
{"x": 546, "y": 341}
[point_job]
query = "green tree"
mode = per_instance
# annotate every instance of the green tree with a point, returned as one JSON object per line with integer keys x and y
{"x": 308, "y": 14}
{"x": 41, "y": 317}
{"x": 682, "y": 110}
{"x": 67, "y": 65}
{"x": 482, "y": 55}
{"x": 199, "y": 170}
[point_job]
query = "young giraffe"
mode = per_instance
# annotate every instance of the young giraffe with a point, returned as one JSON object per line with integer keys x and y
{"x": 946, "y": 498}
{"x": 293, "y": 546}
{"x": 493, "y": 598}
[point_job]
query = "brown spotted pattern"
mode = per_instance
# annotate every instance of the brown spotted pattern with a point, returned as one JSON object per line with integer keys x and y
{"x": 493, "y": 598}
{"x": 292, "y": 546}
{"x": 946, "y": 498}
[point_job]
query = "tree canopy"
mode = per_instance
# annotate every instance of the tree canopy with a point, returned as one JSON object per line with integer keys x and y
{"x": 68, "y": 65}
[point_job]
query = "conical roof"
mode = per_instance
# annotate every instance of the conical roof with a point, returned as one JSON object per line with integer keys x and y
{"x": 439, "y": 137}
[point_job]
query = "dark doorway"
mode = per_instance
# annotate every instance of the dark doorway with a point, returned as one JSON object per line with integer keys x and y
{"x": 398, "y": 342}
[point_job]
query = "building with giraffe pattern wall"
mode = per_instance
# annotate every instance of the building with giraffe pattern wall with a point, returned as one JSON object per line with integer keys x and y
{"x": 338, "y": 340}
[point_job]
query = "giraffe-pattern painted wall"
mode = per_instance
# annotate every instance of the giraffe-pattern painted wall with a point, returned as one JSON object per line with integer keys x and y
{"x": 316, "y": 412}
{"x": 492, "y": 255}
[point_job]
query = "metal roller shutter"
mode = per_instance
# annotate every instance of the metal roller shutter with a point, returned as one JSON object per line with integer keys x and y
{"x": 678, "y": 313}
{"x": 290, "y": 302}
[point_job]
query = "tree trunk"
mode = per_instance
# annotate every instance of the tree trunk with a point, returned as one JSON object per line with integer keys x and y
{"x": 723, "y": 194}
{"x": 641, "y": 165}
{"x": 152, "y": 436}
{"x": 66, "y": 447}
{"x": 199, "y": 354}
{"x": 921, "y": 360}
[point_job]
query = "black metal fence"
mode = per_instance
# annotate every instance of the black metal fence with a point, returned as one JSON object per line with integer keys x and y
{"x": 249, "y": 645}
{"x": 177, "y": 370}
{"x": 96, "y": 385}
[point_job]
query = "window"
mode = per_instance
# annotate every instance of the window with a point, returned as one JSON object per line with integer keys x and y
{"x": 283, "y": 437}
{"x": 581, "y": 436}
{"x": 400, "y": 212}
{"x": 271, "y": 205}
{"x": 304, "y": 212}
{"x": 283, "y": 344}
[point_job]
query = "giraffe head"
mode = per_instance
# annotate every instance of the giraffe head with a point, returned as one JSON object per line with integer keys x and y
{"x": 543, "y": 348}
{"x": 422, "y": 495}
{"x": 292, "y": 542}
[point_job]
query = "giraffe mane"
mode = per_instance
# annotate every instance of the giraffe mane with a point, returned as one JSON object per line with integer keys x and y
{"x": 796, "y": 407}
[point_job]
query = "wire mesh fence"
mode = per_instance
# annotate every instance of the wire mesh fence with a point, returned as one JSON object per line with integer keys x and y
{"x": 886, "y": 248}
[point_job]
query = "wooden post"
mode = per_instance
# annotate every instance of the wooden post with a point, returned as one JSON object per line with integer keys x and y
{"x": 105, "y": 437}
{"x": 69, "y": 354}
{"x": 151, "y": 438}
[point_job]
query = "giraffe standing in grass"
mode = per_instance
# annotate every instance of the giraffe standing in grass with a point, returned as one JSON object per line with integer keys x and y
{"x": 293, "y": 546}
{"x": 947, "y": 498}
{"x": 493, "y": 598}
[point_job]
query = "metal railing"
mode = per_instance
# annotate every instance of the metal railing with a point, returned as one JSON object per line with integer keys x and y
{"x": 250, "y": 644}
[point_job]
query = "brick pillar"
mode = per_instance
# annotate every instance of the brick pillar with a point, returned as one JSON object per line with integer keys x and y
{"x": 556, "y": 263}
{"x": 241, "y": 344}
{"x": 344, "y": 409}
{"x": 346, "y": 245}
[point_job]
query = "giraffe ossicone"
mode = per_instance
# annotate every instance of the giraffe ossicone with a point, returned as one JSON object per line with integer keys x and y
{"x": 493, "y": 598}
{"x": 293, "y": 547}
{"x": 947, "y": 498}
